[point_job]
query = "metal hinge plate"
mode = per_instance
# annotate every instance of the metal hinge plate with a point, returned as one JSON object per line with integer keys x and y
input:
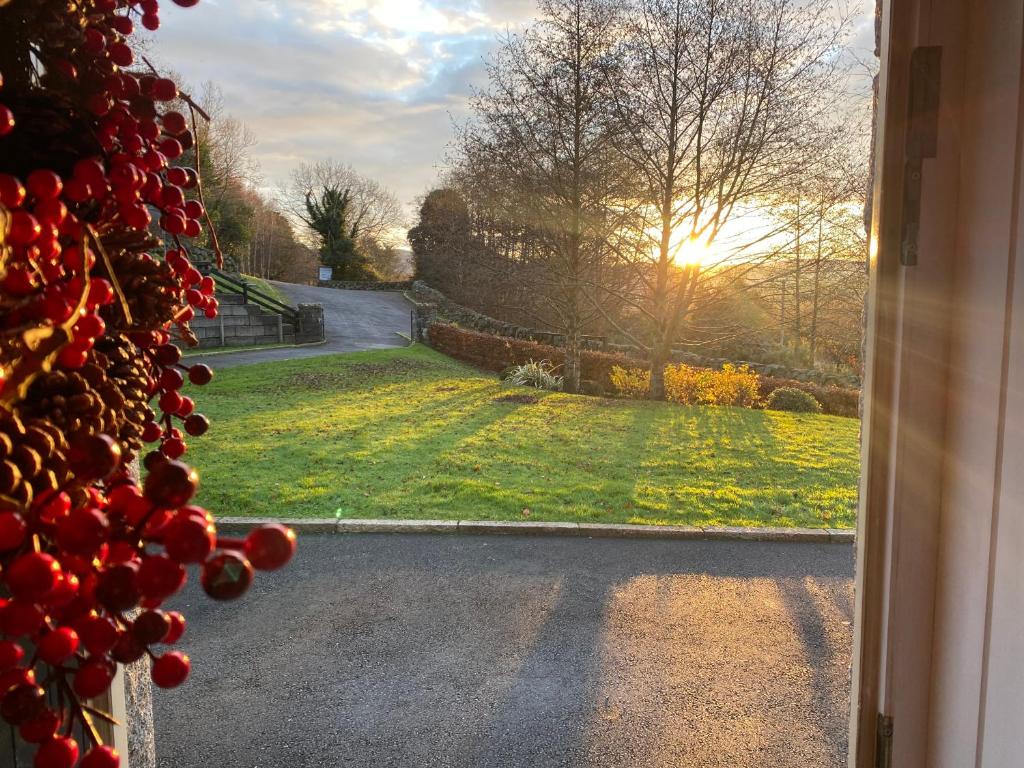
{"x": 883, "y": 742}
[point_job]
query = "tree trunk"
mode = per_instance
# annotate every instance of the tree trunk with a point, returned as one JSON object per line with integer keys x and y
{"x": 797, "y": 331}
{"x": 571, "y": 366}
{"x": 816, "y": 297}
{"x": 659, "y": 359}
{"x": 782, "y": 312}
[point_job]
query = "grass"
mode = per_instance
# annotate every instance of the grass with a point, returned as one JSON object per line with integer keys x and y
{"x": 409, "y": 433}
{"x": 208, "y": 351}
{"x": 263, "y": 286}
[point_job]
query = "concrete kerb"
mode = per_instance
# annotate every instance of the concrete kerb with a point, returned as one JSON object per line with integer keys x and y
{"x": 537, "y": 528}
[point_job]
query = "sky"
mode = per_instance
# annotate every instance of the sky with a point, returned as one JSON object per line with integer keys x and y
{"x": 374, "y": 83}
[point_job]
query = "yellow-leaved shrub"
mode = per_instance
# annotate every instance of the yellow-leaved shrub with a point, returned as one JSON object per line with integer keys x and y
{"x": 685, "y": 384}
{"x": 631, "y": 382}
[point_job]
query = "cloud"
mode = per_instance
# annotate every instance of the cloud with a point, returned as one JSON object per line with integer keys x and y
{"x": 376, "y": 83}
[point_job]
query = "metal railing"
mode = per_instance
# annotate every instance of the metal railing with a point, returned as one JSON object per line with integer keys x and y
{"x": 249, "y": 293}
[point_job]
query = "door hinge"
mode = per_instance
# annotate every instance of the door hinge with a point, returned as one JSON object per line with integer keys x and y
{"x": 883, "y": 742}
{"x": 922, "y": 141}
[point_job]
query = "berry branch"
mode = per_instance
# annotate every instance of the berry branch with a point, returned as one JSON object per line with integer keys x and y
{"x": 94, "y": 181}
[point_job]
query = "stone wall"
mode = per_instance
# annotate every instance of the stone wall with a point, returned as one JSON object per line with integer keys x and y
{"x": 238, "y": 324}
{"x": 430, "y": 305}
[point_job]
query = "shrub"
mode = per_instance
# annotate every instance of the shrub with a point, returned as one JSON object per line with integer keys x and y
{"x": 733, "y": 385}
{"x": 689, "y": 385}
{"x": 837, "y": 401}
{"x": 539, "y": 375}
{"x": 792, "y": 399}
{"x": 631, "y": 382}
{"x": 496, "y": 353}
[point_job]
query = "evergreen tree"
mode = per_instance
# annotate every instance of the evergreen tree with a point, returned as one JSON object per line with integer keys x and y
{"x": 328, "y": 216}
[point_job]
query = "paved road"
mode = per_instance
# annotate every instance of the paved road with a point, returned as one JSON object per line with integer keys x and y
{"x": 480, "y": 652}
{"x": 353, "y": 320}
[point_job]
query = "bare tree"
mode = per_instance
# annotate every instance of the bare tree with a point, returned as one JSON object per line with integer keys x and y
{"x": 542, "y": 136}
{"x": 721, "y": 105}
{"x": 374, "y": 210}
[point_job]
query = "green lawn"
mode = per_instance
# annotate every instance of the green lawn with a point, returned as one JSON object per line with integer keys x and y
{"x": 409, "y": 433}
{"x": 264, "y": 287}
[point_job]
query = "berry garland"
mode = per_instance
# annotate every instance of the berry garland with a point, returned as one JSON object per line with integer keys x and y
{"x": 89, "y": 373}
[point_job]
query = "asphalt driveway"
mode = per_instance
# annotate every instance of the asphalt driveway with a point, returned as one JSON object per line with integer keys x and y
{"x": 353, "y": 321}
{"x": 423, "y": 651}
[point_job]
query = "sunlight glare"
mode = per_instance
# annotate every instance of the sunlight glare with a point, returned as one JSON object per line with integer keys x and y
{"x": 691, "y": 251}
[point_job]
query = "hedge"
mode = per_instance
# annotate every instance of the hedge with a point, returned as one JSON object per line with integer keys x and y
{"x": 837, "y": 401}
{"x": 496, "y": 353}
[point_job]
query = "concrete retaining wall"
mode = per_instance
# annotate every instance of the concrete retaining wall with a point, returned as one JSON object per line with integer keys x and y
{"x": 242, "y": 325}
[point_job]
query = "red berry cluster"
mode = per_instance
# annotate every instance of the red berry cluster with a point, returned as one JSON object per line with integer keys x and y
{"x": 98, "y": 171}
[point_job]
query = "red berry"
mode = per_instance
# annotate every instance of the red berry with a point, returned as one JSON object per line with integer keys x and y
{"x": 171, "y": 669}
{"x": 6, "y": 120}
{"x": 12, "y": 194}
{"x": 173, "y": 223}
{"x": 11, "y": 655}
{"x": 171, "y": 484}
{"x": 200, "y": 374}
{"x": 94, "y": 457}
{"x": 122, "y": 24}
{"x": 171, "y": 379}
{"x": 61, "y": 752}
{"x": 197, "y": 424}
{"x": 41, "y": 728}
{"x": 101, "y": 757}
{"x": 73, "y": 356}
{"x": 100, "y": 292}
{"x": 270, "y": 546}
{"x": 226, "y": 576}
{"x": 83, "y": 532}
{"x": 127, "y": 649}
{"x": 171, "y": 148}
{"x": 151, "y": 627}
{"x": 164, "y": 89}
{"x": 55, "y": 647}
{"x": 98, "y": 634}
{"x": 120, "y": 54}
{"x": 173, "y": 448}
{"x": 22, "y": 703}
{"x": 188, "y": 540}
{"x": 151, "y": 21}
{"x": 14, "y": 677}
{"x": 13, "y": 530}
{"x": 194, "y": 209}
{"x": 65, "y": 591}
{"x": 177, "y": 627}
{"x": 19, "y": 618}
{"x": 186, "y": 3}
{"x": 118, "y": 587}
{"x": 23, "y": 228}
{"x": 160, "y": 577}
{"x": 50, "y": 211}
{"x": 93, "y": 678}
{"x": 33, "y": 575}
{"x": 91, "y": 171}
{"x": 44, "y": 185}
{"x": 94, "y": 41}
{"x": 174, "y": 123}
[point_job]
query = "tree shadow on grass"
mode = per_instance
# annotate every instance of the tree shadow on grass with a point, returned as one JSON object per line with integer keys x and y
{"x": 730, "y": 465}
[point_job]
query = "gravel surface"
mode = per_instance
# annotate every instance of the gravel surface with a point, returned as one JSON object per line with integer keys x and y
{"x": 481, "y": 651}
{"x": 353, "y": 320}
